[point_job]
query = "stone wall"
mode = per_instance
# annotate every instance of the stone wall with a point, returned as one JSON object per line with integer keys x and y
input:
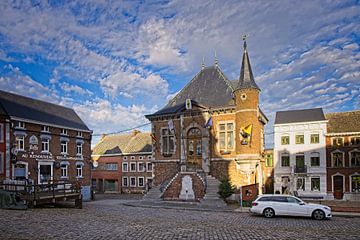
{"x": 174, "y": 189}
{"x": 164, "y": 171}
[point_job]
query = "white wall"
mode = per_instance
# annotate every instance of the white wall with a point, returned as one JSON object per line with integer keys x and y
{"x": 305, "y": 128}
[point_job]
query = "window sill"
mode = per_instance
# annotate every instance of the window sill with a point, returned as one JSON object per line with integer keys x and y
{"x": 79, "y": 177}
{"x": 225, "y": 152}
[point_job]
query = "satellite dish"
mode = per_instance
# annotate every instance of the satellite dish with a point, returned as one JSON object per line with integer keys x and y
{"x": 95, "y": 164}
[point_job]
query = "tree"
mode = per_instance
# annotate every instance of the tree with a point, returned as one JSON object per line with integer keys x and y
{"x": 225, "y": 188}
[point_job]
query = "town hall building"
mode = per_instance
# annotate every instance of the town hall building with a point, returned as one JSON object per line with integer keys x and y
{"x": 213, "y": 127}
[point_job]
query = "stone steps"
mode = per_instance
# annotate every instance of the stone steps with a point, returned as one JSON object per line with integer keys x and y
{"x": 153, "y": 195}
{"x": 212, "y": 198}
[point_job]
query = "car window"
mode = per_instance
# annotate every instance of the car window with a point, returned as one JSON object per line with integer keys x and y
{"x": 265, "y": 199}
{"x": 292, "y": 200}
{"x": 279, "y": 199}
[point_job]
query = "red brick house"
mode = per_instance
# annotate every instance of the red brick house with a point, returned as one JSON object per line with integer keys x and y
{"x": 44, "y": 142}
{"x": 123, "y": 163}
{"x": 213, "y": 126}
{"x": 343, "y": 155}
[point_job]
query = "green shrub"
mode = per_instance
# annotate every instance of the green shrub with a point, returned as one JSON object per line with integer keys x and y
{"x": 225, "y": 188}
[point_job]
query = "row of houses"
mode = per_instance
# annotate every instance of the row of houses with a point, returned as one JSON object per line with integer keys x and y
{"x": 41, "y": 143}
{"x": 317, "y": 155}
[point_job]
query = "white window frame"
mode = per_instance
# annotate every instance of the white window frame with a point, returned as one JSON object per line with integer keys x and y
{"x": 332, "y": 158}
{"x": 132, "y": 164}
{"x": 147, "y": 167}
{"x": 45, "y": 142}
{"x": 315, "y": 133}
{"x": 350, "y": 155}
{"x": 300, "y": 134}
{"x": 281, "y": 138}
{"x": 18, "y": 139}
{"x": 141, "y": 158}
{"x": 79, "y": 169}
{"x": 127, "y": 167}
{"x": 111, "y": 166}
{"x": 64, "y": 169}
{"x": 61, "y": 147}
{"x": 138, "y": 167}
{"x": 125, "y": 158}
{"x": 132, "y": 158}
{"x": 1, "y": 133}
{"x": 64, "y": 131}
{"x": 132, "y": 185}
{"x": 79, "y": 134}
{"x": 311, "y": 187}
{"x": 350, "y": 181}
{"x": 45, "y": 129}
{"x": 127, "y": 181}
{"x": 79, "y": 146}
{"x": 20, "y": 125}
{"x": 143, "y": 180}
{"x": 315, "y": 154}
{"x": 226, "y": 148}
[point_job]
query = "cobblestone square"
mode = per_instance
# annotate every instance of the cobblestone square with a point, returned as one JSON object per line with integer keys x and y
{"x": 109, "y": 219}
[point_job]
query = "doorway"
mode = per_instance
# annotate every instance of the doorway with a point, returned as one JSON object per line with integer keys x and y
{"x": 338, "y": 182}
{"x": 194, "y": 149}
{"x": 45, "y": 172}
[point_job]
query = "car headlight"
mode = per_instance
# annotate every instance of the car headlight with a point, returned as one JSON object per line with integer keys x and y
{"x": 327, "y": 208}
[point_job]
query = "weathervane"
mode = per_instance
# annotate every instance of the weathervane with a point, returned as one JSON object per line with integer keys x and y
{"x": 244, "y": 39}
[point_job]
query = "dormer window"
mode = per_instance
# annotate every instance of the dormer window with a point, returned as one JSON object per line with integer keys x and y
{"x": 64, "y": 131}
{"x": 79, "y": 134}
{"x": 20, "y": 124}
{"x": 46, "y": 129}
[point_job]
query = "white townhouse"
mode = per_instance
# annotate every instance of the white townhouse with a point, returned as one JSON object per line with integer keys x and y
{"x": 300, "y": 153}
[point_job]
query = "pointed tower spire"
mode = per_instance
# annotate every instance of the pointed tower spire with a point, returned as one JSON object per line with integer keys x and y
{"x": 203, "y": 63}
{"x": 246, "y": 79}
{"x": 216, "y": 60}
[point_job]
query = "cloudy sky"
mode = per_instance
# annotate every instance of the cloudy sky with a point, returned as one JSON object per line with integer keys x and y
{"x": 115, "y": 61}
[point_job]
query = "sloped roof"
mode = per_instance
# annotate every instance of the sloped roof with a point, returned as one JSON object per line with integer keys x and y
{"x": 135, "y": 142}
{"x": 40, "y": 111}
{"x": 175, "y": 109}
{"x": 295, "y": 116}
{"x": 210, "y": 87}
{"x": 246, "y": 79}
{"x": 343, "y": 122}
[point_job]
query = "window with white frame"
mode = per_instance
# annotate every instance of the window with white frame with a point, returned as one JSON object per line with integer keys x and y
{"x": 285, "y": 159}
{"x": 1, "y": 162}
{"x": 315, "y": 184}
{"x": 125, "y": 182}
{"x": 226, "y": 136}
{"x": 64, "y": 147}
{"x": 79, "y": 170}
{"x": 64, "y": 131}
{"x": 1, "y": 133}
{"x": 45, "y": 128}
{"x": 63, "y": 170}
{"x": 285, "y": 140}
{"x": 125, "y": 167}
{"x": 337, "y": 159}
{"x": 79, "y": 134}
{"x": 355, "y": 158}
{"x": 355, "y": 183}
{"x": 20, "y": 142}
{"x": 79, "y": 148}
{"x": 149, "y": 167}
{"x": 168, "y": 141}
{"x": 299, "y": 139}
{"x": 45, "y": 145}
{"x": 132, "y": 181}
{"x": 314, "y": 138}
{"x": 355, "y": 141}
{"x": 141, "y": 182}
{"x": 20, "y": 124}
{"x": 300, "y": 183}
{"x": 132, "y": 167}
{"x": 111, "y": 166}
{"x": 338, "y": 141}
{"x": 315, "y": 159}
{"x": 141, "y": 167}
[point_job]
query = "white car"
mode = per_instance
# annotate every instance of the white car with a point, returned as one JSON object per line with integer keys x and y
{"x": 286, "y": 205}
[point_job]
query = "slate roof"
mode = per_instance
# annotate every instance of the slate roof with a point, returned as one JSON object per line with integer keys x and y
{"x": 304, "y": 115}
{"x": 210, "y": 87}
{"x": 135, "y": 142}
{"x": 343, "y": 122}
{"x": 246, "y": 79}
{"x": 40, "y": 111}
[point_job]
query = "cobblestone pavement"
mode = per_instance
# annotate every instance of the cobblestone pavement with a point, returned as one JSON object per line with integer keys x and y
{"x": 109, "y": 219}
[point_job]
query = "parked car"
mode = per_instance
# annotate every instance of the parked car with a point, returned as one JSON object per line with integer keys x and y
{"x": 286, "y": 205}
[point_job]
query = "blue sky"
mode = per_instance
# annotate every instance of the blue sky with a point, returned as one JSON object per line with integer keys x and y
{"x": 115, "y": 61}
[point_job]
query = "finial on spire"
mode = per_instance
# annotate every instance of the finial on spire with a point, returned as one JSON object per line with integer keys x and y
{"x": 216, "y": 60}
{"x": 244, "y": 39}
{"x": 203, "y": 63}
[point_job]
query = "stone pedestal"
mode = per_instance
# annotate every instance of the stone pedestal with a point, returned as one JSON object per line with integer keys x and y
{"x": 187, "y": 192}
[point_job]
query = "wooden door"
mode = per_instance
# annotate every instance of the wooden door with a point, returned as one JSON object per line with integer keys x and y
{"x": 338, "y": 187}
{"x": 194, "y": 149}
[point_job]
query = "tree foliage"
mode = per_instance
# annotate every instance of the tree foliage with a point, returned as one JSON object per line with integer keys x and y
{"x": 225, "y": 188}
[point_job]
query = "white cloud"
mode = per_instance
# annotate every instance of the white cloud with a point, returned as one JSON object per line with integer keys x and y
{"x": 75, "y": 89}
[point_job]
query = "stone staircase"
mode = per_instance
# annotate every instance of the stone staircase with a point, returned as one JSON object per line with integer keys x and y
{"x": 212, "y": 198}
{"x": 153, "y": 195}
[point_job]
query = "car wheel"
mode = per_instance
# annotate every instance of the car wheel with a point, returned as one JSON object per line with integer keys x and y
{"x": 318, "y": 214}
{"x": 269, "y": 213}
